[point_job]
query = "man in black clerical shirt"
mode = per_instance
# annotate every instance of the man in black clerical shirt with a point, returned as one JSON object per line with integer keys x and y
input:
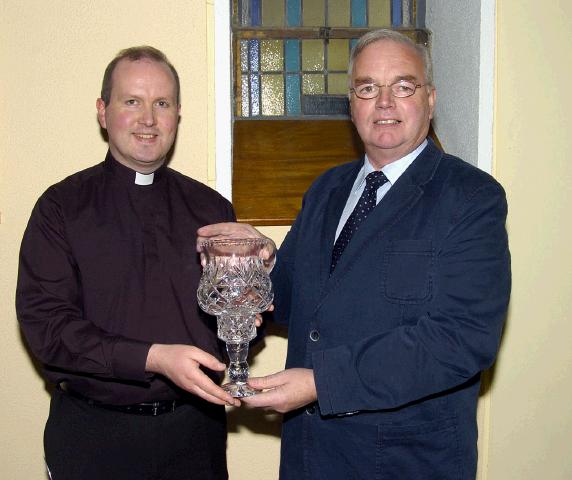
{"x": 106, "y": 297}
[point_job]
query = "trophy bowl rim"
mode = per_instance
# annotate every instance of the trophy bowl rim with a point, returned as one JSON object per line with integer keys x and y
{"x": 224, "y": 242}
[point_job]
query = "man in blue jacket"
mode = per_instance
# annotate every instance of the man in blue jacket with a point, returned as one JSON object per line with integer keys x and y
{"x": 394, "y": 283}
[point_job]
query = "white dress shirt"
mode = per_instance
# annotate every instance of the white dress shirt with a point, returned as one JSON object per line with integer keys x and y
{"x": 392, "y": 171}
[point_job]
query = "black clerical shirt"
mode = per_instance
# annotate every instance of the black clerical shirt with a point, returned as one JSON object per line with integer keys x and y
{"x": 109, "y": 267}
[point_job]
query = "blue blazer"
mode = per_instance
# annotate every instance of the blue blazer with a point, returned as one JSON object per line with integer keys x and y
{"x": 397, "y": 336}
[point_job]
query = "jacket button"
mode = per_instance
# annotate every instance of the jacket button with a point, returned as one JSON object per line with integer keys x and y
{"x": 310, "y": 410}
{"x": 314, "y": 335}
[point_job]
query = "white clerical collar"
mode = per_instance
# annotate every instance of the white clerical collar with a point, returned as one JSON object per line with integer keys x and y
{"x": 144, "y": 179}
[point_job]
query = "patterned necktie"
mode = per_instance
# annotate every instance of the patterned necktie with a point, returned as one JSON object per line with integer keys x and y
{"x": 365, "y": 205}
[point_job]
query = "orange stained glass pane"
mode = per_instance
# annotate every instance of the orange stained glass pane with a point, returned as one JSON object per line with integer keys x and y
{"x": 272, "y": 95}
{"x": 338, "y": 54}
{"x": 337, "y": 84}
{"x": 312, "y": 84}
{"x": 272, "y": 13}
{"x": 271, "y": 56}
{"x": 338, "y": 13}
{"x": 313, "y": 14}
{"x": 312, "y": 55}
{"x": 379, "y": 13}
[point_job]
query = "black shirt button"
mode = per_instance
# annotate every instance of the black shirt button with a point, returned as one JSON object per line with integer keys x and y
{"x": 314, "y": 335}
{"x": 310, "y": 410}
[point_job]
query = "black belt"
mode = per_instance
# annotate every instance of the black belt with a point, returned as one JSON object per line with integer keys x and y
{"x": 145, "y": 408}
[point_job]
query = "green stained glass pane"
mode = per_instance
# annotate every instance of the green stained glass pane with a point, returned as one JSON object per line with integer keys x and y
{"x": 313, "y": 14}
{"x": 338, "y": 13}
{"x": 312, "y": 55}
{"x": 312, "y": 83}
{"x": 272, "y": 95}
{"x": 338, "y": 54}
{"x": 271, "y": 56}
{"x": 272, "y": 13}
{"x": 379, "y": 13}
{"x": 337, "y": 84}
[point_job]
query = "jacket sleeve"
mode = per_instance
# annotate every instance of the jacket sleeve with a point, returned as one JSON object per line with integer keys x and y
{"x": 49, "y": 305}
{"x": 282, "y": 274}
{"x": 456, "y": 338}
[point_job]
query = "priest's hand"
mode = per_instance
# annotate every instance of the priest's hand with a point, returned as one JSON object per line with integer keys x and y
{"x": 283, "y": 391}
{"x": 181, "y": 364}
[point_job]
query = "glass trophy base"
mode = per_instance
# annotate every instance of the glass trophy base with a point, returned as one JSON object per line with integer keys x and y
{"x": 239, "y": 389}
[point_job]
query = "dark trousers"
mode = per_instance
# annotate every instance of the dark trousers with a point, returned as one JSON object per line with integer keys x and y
{"x": 86, "y": 442}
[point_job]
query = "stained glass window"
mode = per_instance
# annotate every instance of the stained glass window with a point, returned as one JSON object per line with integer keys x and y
{"x": 291, "y": 56}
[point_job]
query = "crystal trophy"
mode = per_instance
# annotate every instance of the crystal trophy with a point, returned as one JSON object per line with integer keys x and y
{"x": 234, "y": 287}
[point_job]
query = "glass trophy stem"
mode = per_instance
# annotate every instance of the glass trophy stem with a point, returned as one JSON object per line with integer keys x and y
{"x": 238, "y": 371}
{"x": 237, "y": 331}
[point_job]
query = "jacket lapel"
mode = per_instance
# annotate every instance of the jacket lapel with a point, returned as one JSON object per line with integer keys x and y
{"x": 337, "y": 198}
{"x": 402, "y": 196}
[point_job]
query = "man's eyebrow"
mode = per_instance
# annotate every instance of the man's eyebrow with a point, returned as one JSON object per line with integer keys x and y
{"x": 408, "y": 78}
{"x": 362, "y": 80}
{"x": 398, "y": 78}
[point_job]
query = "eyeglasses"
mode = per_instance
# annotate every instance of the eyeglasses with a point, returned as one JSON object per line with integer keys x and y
{"x": 400, "y": 89}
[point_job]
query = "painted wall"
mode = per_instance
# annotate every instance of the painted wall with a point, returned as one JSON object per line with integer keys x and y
{"x": 455, "y": 51}
{"x": 531, "y": 413}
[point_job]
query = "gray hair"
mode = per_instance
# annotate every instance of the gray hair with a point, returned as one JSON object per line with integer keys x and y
{"x": 397, "y": 37}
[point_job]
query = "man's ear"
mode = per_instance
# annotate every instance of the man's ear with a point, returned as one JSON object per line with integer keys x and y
{"x": 432, "y": 99}
{"x": 100, "y": 105}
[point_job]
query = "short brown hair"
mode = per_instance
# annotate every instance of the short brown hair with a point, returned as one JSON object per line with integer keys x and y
{"x": 133, "y": 54}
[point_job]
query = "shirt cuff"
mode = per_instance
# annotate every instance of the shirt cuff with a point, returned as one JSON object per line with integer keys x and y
{"x": 129, "y": 359}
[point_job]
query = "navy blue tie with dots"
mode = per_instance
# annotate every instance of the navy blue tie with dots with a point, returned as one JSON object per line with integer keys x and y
{"x": 365, "y": 205}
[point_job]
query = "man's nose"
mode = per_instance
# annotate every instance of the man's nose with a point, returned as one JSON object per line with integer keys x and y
{"x": 385, "y": 98}
{"x": 148, "y": 116}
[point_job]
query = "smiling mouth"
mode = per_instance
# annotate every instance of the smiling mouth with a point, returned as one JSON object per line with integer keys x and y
{"x": 387, "y": 122}
{"x": 145, "y": 136}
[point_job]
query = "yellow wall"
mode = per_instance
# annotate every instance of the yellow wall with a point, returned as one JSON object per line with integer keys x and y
{"x": 531, "y": 405}
{"x": 53, "y": 55}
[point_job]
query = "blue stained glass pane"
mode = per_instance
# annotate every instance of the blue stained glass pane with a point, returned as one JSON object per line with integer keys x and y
{"x": 255, "y": 13}
{"x": 359, "y": 13}
{"x": 254, "y": 55}
{"x": 292, "y": 94}
{"x": 420, "y": 13}
{"x": 353, "y": 42}
{"x": 293, "y": 13}
{"x": 254, "y": 95}
{"x": 396, "y": 13}
{"x": 292, "y": 55}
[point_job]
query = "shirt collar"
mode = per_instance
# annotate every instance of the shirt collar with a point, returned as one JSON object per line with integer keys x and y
{"x": 128, "y": 176}
{"x": 392, "y": 170}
